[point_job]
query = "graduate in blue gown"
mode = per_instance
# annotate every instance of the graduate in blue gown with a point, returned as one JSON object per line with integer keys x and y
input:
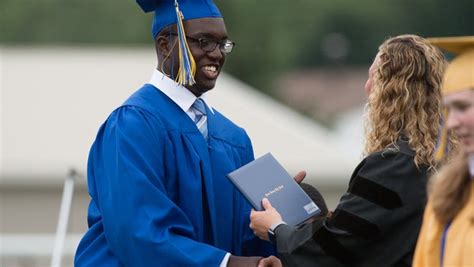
{"x": 157, "y": 181}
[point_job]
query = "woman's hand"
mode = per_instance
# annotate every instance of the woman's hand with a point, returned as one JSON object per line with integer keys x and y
{"x": 260, "y": 221}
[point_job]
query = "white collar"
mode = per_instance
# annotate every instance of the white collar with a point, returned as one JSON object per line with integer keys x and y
{"x": 179, "y": 94}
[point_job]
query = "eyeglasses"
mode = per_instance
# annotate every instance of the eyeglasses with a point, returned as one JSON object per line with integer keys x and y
{"x": 209, "y": 45}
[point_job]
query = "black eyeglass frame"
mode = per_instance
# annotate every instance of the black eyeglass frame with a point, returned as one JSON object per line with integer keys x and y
{"x": 222, "y": 44}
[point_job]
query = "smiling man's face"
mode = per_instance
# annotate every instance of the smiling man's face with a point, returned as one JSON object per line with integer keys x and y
{"x": 209, "y": 63}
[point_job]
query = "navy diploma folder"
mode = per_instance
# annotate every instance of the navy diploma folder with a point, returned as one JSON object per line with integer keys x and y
{"x": 265, "y": 177}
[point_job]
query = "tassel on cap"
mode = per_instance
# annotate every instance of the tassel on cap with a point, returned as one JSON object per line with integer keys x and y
{"x": 187, "y": 65}
{"x": 458, "y": 76}
{"x": 442, "y": 146}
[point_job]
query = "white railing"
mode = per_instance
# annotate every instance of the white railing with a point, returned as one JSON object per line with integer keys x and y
{"x": 63, "y": 219}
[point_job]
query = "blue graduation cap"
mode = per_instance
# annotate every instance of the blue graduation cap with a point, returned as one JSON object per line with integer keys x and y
{"x": 168, "y": 12}
{"x": 165, "y": 11}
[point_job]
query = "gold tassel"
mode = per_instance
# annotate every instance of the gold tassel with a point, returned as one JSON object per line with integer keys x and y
{"x": 187, "y": 65}
{"x": 442, "y": 140}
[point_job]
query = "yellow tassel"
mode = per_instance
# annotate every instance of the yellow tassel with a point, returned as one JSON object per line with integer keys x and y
{"x": 443, "y": 140}
{"x": 187, "y": 65}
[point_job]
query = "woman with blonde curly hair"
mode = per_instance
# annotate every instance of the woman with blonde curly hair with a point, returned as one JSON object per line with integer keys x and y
{"x": 447, "y": 235}
{"x": 378, "y": 219}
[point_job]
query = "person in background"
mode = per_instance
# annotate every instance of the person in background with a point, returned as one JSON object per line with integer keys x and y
{"x": 377, "y": 220}
{"x": 156, "y": 171}
{"x": 447, "y": 233}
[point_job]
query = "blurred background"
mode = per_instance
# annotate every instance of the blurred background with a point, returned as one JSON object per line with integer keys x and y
{"x": 295, "y": 82}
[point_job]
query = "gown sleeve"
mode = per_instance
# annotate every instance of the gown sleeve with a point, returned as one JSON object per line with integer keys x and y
{"x": 142, "y": 226}
{"x": 376, "y": 221}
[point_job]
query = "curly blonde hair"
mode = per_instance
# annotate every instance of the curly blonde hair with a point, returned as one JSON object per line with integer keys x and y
{"x": 406, "y": 97}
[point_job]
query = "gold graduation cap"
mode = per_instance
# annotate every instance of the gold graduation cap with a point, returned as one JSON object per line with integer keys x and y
{"x": 458, "y": 76}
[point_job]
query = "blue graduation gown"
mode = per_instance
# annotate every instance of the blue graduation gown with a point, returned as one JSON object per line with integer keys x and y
{"x": 159, "y": 192}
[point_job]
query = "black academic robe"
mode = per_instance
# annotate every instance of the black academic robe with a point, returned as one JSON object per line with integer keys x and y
{"x": 376, "y": 222}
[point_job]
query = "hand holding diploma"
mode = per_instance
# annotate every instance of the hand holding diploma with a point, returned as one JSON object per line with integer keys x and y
{"x": 261, "y": 221}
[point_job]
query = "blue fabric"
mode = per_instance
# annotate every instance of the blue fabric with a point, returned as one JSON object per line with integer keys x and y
{"x": 443, "y": 243}
{"x": 199, "y": 109}
{"x": 159, "y": 195}
{"x": 199, "y": 106}
{"x": 165, "y": 12}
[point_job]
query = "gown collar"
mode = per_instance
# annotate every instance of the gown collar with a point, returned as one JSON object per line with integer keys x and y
{"x": 179, "y": 94}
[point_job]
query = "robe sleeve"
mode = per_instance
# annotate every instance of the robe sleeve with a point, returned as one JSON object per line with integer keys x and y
{"x": 377, "y": 219}
{"x": 142, "y": 226}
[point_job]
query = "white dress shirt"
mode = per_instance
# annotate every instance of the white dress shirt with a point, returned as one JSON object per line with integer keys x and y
{"x": 179, "y": 94}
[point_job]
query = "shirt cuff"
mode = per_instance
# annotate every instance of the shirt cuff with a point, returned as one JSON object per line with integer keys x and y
{"x": 275, "y": 225}
{"x": 225, "y": 260}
